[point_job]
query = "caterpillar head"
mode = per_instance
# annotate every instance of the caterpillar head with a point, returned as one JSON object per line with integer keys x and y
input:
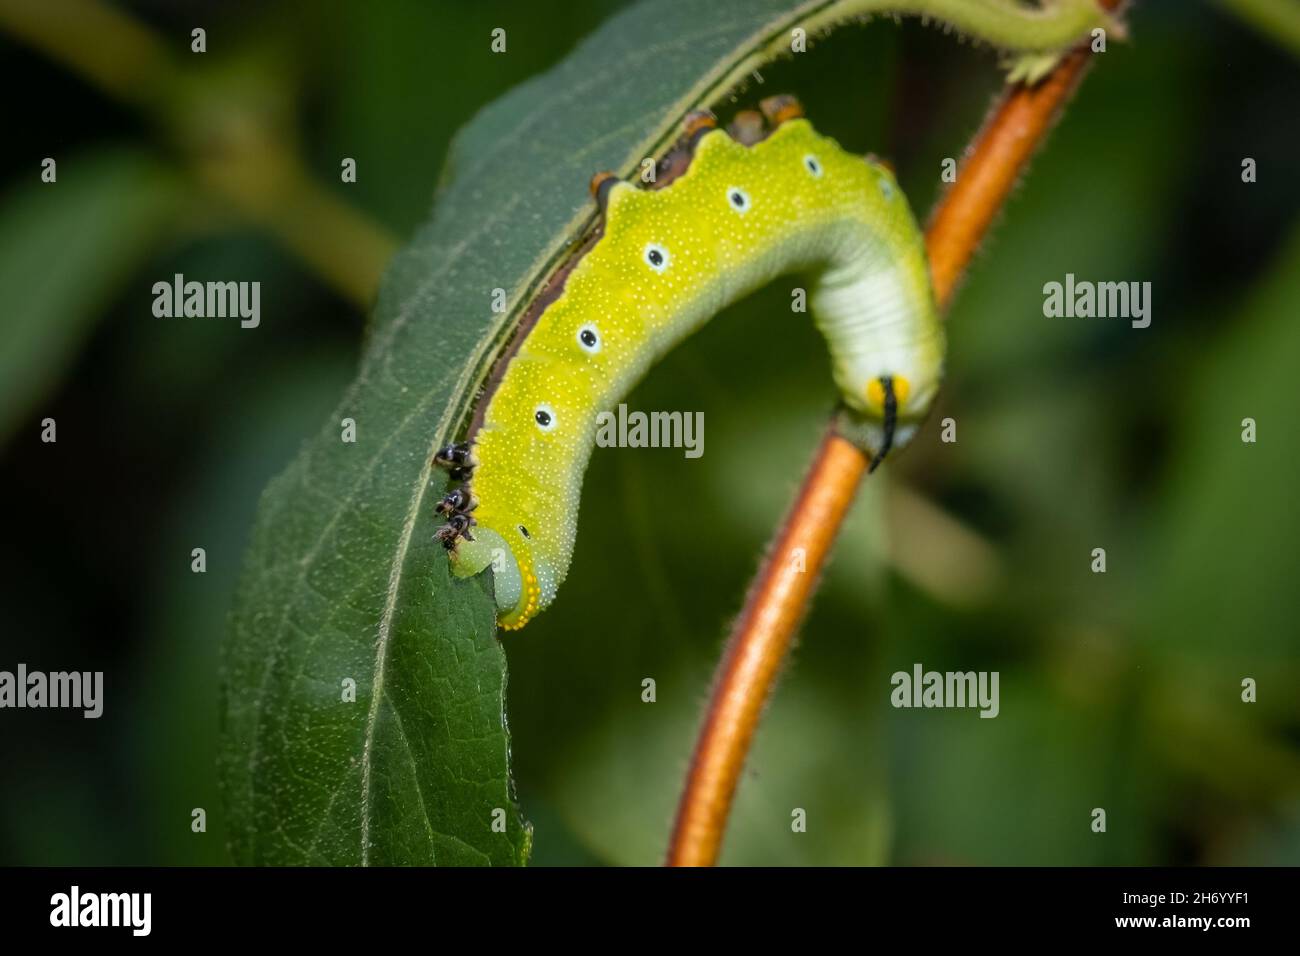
{"x": 489, "y": 549}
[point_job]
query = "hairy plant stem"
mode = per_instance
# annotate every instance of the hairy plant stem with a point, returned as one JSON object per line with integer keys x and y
{"x": 780, "y": 592}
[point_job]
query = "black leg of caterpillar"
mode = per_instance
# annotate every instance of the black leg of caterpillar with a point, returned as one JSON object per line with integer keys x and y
{"x": 457, "y": 501}
{"x": 447, "y": 535}
{"x": 457, "y": 527}
{"x": 455, "y": 456}
{"x": 891, "y": 421}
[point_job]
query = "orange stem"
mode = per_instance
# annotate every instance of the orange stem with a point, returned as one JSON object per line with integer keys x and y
{"x": 784, "y": 585}
{"x": 757, "y": 648}
{"x": 994, "y": 161}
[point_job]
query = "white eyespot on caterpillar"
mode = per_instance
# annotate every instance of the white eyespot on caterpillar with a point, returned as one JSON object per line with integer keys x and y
{"x": 544, "y": 416}
{"x": 656, "y": 257}
{"x": 813, "y": 165}
{"x": 738, "y": 200}
{"x": 589, "y": 339}
{"x": 886, "y": 188}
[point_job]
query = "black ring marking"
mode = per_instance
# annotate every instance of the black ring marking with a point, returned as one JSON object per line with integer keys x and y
{"x": 891, "y": 421}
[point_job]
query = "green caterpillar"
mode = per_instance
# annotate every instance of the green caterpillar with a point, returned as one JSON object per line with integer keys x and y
{"x": 729, "y": 213}
{"x": 669, "y": 259}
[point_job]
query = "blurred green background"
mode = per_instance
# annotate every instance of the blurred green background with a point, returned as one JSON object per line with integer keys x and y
{"x": 1119, "y": 691}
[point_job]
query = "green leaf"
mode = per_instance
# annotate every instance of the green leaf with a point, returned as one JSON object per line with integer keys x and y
{"x": 343, "y": 579}
{"x": 65, "y": 247}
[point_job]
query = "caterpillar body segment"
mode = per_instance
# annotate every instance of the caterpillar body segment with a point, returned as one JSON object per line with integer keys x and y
{"x": 737, "y": 212}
